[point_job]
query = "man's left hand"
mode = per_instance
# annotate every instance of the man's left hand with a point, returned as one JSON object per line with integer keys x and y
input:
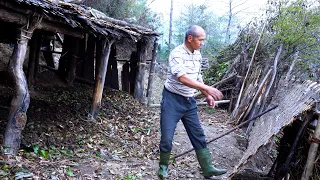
{"x": 210, "y": 101}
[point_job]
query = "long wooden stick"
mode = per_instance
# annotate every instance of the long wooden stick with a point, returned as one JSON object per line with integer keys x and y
{"x": 249, "y": 68}
{"x": 231, "y": 130}
{"x": 200, "y": 103}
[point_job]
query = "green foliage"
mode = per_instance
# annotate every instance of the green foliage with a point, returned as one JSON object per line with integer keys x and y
{"x": 210, "y": 110}
{"x": 215, "y": 72}
{"x": 132, "y": 11}
{"x": 163, "y": 52}
{"x": 69, "y": 172}
{"x": 296, "y": 25}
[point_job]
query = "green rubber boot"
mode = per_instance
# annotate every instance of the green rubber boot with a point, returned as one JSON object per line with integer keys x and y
{"x": 208, "y": 170}
{"x": 163, "y": 164}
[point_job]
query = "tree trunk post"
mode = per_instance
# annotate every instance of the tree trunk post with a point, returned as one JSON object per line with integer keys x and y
{"x": 20, "y": 103}
{"x": 88, "y": 71}
{"x": 125, "y": 77}
{"x": 111, "y": 63}
{"x": 100, "y": 78}
{"x": 133, "y": 71}
{"x": 312, "y": 150}
{"x": 152, "y": 70}
{"x": 72, "y": 61}
{"x": 139, "y": 83}
{"x": 82, "y": 56}
{"x": 33, "y": 57}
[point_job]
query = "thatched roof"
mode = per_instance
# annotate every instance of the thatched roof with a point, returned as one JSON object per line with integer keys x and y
{"x": 77, "y": 18}
{"x": 293, "y": 99}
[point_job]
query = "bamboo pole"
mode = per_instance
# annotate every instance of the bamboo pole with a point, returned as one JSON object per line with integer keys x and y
{"x": 312, "y": 150}
{"x": 228, "y": 132}
{"x": 249, "y": 68}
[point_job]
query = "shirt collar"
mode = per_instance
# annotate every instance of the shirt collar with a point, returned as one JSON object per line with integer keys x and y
{"x": 186, "y": 49}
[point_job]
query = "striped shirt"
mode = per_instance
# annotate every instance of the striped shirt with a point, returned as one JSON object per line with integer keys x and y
{"x": 182, "y": 61}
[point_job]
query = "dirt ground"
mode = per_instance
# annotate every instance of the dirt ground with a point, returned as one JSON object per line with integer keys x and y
{"x": 60, "y": 143}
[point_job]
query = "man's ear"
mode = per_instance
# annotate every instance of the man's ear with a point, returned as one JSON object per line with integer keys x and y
{"x": 190, "y": 38}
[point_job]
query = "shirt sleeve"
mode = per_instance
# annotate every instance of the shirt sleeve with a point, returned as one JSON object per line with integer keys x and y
{"x": 176, "y": 65}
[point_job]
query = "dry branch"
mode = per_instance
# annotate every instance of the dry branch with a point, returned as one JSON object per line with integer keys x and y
{"x": 249, "y": 68}
{"x": 228, "y": 132}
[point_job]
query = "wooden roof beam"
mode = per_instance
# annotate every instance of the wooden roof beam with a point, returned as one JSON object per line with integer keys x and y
{"x": 20, "y": 19}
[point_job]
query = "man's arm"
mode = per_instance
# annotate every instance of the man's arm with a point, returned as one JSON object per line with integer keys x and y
{"x": 210, "y": 92}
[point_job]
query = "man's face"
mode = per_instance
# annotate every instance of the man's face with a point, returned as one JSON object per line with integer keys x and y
{"x": 197, "y": 41}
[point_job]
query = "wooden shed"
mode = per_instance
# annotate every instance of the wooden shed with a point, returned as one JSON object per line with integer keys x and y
{"x": 89, "y": 43}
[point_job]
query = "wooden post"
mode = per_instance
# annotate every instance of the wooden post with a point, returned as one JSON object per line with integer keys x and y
{"x": 312, "y": 151}
{"x": 125, "y": 77}
{"x": 109, "y": 68}
{"x": 139, "y": 83}
{"x": 152, "y": 69}
{"x": 88, "y": 71}
{"x": 114, "y": 70}
{"x": 100, "y": 78}
{"x": 47, "y": 53}
{"x": 99, "y": 46}
{"x": 63, "y": 61}
{"x": 82, "y": 57}
{"x": 72, "y": 61}
{"x": 133, "y": 71}
{"x": 20, "y": 103}
{"x": 33, "y": 57}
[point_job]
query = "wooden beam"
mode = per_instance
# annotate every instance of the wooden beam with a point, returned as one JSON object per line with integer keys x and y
{"x": 100, "y": 78}
{"x": 22, "y": 19}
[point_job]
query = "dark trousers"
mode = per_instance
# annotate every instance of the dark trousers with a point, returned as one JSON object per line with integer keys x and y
{"x": 173, "y": 108}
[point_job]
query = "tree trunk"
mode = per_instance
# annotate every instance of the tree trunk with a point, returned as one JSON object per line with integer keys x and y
{"x": 295, "y": 57}
{"x": 20, "y": 103}
{"x": 125, "y": 78}
{"x": 227, "y": 38}
{"x": 33, "y": 57}
{"x": 170, "y": 26}
{"x": 152, "y": 69}
{"x": 139, "y": 84}
{"x": 100, "y": 77}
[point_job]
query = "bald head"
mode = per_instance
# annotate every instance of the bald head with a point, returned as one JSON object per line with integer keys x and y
{"x": 194, "y": 31}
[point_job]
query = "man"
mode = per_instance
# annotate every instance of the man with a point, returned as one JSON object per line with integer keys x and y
{"x": 178, "y": 102}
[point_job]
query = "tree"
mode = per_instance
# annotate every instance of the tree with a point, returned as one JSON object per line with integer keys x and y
{"x": 132, "y": 11}
{"x": 202, "y": 16}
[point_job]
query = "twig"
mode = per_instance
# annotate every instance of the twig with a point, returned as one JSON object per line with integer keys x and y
{"x": 231, "y": 130}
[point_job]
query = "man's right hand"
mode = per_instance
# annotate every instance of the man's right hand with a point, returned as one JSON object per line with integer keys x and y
{"x": 215, "y": 93}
